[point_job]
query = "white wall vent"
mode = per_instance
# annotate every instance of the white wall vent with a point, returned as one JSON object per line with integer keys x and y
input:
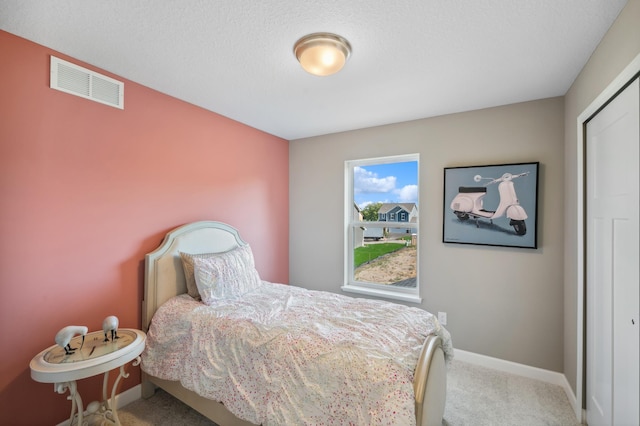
{"x": 79, "y": 81}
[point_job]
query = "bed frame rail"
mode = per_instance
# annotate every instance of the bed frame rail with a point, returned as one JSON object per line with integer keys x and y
{"x": 430, "y": 383}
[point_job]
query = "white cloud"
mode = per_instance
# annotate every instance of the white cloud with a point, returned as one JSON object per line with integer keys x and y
{"x": 407, "y": 194}
{"x": 365, "y": 181}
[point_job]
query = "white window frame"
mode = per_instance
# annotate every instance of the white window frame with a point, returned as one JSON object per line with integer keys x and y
{"x": 404, "y": 294}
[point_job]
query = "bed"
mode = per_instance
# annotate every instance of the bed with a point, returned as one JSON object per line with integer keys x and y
{"x": 166, "y": 301}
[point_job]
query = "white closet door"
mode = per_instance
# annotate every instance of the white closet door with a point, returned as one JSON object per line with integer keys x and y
{"x": 613, "y": 255}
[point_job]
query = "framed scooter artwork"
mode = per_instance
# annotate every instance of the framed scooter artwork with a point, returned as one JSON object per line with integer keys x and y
{"x": 495, "y": 205}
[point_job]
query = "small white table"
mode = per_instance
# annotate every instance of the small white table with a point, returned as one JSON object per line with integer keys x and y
{"x": 96, "y": 356}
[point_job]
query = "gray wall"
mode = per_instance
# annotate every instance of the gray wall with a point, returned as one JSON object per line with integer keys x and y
{"x": 501, "y": 302}
{"x": 617, "y": 49}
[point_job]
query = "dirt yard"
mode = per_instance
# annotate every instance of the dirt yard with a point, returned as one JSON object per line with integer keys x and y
{"x": 390, "y": 268}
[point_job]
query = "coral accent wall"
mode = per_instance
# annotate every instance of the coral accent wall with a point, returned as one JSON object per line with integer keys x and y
{"x": 88, "y": 189}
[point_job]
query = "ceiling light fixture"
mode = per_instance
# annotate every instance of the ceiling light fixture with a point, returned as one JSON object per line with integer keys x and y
{"x": 322, "y": 53}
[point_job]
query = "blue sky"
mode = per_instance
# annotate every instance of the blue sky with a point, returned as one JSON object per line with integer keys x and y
{"x": 386, "y": 183}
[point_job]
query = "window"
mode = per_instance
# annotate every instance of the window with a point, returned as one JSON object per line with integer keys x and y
{"x": 381, "y": 227}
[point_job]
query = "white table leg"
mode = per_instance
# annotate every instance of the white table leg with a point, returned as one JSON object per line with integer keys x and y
{"x": 111, "y": 411}
{"x": 76, "y": 401}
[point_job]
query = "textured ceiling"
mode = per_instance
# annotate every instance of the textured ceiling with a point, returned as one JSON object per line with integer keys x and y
{"x": 411, "y": 59}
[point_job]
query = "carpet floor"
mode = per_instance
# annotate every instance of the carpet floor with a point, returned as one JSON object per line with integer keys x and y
{"x": 476, "y": 396}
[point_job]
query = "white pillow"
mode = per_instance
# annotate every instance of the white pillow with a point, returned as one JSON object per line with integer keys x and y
{"x": 187, "y": 267}
{"x": 226, "y": 276}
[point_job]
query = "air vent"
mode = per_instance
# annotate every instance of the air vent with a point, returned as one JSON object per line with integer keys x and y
{"x": 79, "y": 81}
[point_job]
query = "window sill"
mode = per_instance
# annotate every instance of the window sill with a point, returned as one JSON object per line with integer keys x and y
{"x": 413, "y": 298}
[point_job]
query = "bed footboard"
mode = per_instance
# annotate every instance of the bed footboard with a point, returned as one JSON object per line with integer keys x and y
{"x": 430, "y": 383}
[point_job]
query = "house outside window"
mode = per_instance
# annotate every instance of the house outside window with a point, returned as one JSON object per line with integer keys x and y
{"x": 381, "y": 240}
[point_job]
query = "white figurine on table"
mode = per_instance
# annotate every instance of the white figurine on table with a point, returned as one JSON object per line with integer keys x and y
{"x": 110, "y": 325}
{"x": 64, "y": 336}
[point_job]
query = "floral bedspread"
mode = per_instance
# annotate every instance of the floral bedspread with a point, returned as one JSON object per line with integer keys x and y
{"x": 283, "y": 355}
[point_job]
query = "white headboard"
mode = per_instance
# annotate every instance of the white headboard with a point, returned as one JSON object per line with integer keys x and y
{"x": 164, "y": 277}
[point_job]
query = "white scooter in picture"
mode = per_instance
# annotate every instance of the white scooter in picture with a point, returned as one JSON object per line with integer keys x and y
{"x": 468, "y": 202}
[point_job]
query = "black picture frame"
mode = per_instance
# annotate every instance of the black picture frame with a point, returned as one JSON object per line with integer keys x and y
{"x": 500, "y": 208}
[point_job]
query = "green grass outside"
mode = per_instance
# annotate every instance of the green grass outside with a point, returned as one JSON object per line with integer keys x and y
{"x": 370, "y": 251}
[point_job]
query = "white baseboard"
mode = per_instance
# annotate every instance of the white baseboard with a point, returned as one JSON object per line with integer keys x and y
{"x": 122, "y": 399}
{"x": 535, "y": 373}
{"x": 128, "y": 396}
